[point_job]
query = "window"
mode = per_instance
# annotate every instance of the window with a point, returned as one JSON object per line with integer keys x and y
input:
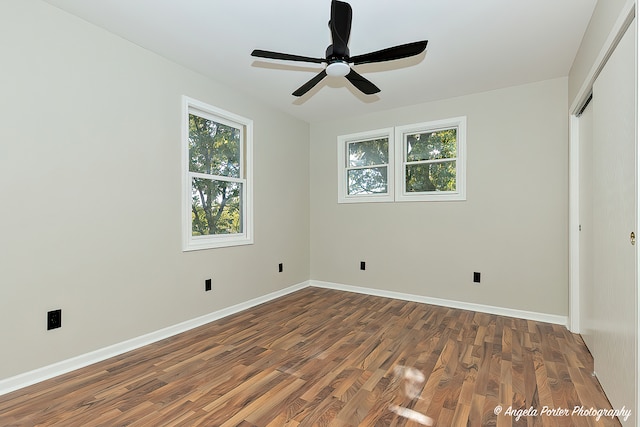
{"x": 217, "y": 201}
{"x": 418, "y": 162}
{"x": 366, "y": 166}
{"x": 431, "y": 159}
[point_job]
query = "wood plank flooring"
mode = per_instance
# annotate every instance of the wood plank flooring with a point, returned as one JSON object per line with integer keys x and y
{"x": 322, "y": 357}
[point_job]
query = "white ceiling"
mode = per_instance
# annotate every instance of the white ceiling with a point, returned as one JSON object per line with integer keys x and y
{"x": 474, "y": 45}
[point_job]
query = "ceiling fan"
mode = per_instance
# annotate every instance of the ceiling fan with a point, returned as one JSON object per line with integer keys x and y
{"x": 337, "y": 55}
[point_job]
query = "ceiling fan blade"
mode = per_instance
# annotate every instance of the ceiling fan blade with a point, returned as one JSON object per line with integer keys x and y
{"x": 391, "y": 53}
{"x": 362, "y": 84}
{"x": 340, "y": 27}
{"x": 285, "y": 56}
{"x": 310, "y": 84}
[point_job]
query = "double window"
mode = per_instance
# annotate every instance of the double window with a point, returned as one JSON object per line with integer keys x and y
{"x": 217, "y": 177}
{"x": 420, "y": 162}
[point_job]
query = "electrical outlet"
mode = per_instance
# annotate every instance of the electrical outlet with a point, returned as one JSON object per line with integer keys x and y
{"x": 362, "y": 265}
{"x": 207, "y": 285}
{"x": 54, "y": 319}
{"x": 280, "y": 268}
{"x": 476, "y": 277}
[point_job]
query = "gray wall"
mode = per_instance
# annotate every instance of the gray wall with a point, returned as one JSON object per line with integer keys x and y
{"x": 512, "y": 228}
{"x": 90, "y": 180}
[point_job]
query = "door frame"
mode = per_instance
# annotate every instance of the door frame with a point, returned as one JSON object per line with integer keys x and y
{"x": 621, "y": 25}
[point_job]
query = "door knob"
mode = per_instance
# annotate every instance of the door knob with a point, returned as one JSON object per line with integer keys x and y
{"x": 632, "y": 237}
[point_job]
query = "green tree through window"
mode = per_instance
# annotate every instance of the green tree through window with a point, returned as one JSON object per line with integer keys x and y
{"x": 215, "y": 157}
{"x": 217, "y": 166}
{"x": 367, "y": 168}
{"x": 420, "y": 162}
{"x": 431, "y": 161}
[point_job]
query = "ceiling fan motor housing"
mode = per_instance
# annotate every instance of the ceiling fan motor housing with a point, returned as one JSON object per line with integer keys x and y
{"x": 333, "y": 54}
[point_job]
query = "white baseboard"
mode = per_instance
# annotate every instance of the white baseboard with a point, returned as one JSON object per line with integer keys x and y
{"x": 508, "y": 312}
{"x": 32, "y": 377}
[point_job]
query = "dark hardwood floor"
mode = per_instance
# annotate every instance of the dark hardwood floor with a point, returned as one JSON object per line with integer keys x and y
{"x": 321, "y": 357}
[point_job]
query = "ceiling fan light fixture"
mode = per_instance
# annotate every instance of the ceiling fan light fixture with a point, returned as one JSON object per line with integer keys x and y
{"x": 338, "y": 69}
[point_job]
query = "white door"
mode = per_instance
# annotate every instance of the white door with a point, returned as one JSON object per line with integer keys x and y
{"x": 612, "y": 330}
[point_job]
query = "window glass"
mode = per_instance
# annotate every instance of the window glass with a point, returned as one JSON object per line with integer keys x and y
{"x": 367, "y": 181}
{"x": 367, "y": 153}
{"x": 431, "y": 177}
{"x": 432, "y": 145}
{"x": 216, "y": 207}
{"x": 214, "y": 148}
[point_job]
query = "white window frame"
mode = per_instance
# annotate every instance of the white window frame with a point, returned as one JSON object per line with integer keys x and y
{"x": 344, "y": 168}
{"x": 401, "y": 195}
{"x": 190, "y": 242}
